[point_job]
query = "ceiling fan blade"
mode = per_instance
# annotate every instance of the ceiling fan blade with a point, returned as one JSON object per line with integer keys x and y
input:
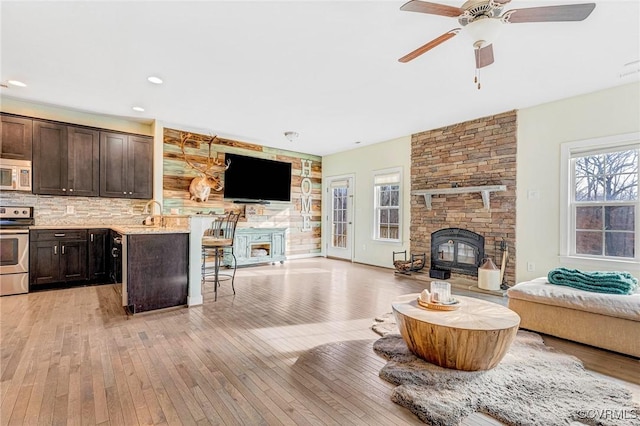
{"x": 569, "y": 12}
{"x": 426, "y": 47}
{"x": 484, "y": 56}
{"x": 432, "y": 8}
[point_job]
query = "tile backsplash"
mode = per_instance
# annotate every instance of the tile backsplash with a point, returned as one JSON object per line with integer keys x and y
{"x": 53, "y": 210}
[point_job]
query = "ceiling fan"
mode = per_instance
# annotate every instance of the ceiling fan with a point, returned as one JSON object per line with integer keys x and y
{"x": 482, "y": 20}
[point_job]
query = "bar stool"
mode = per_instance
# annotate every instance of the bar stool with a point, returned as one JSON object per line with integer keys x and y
{"x": 217, "y": 242}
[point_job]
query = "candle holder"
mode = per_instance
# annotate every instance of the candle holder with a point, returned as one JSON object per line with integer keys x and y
{"x": 440, "y": 291}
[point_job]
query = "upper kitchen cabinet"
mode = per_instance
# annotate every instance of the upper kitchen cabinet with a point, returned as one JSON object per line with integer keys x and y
{"x": 126, "y": 166}
{"x": 16, "y": 137}
{"x": 65, "y": 159}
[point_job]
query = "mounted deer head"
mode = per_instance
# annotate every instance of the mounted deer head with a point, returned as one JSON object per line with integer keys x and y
{"x": 200, "y": 187}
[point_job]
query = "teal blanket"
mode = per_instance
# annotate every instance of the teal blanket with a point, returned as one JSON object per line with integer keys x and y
{"x": 601, "y": 282}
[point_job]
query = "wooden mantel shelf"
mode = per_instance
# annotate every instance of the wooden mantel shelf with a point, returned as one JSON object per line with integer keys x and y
{"x": 483, "y": 190}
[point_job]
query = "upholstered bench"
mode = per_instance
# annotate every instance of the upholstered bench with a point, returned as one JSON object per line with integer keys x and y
{"x": 608, "y": 321}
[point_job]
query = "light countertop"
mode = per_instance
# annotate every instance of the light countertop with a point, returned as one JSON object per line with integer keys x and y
{"x": 123, "y": 229}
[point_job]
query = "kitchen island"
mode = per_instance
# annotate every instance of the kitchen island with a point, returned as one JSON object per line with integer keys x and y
{"x": 155, "y": 267}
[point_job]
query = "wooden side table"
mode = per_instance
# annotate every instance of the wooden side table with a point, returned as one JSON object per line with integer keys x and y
{"x": 476, "y": 336}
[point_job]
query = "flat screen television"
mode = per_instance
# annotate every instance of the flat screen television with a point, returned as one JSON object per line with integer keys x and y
{"x": 254, "y": 179}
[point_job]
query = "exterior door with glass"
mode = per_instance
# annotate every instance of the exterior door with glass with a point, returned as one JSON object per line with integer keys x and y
{"x": 339, "y": 218}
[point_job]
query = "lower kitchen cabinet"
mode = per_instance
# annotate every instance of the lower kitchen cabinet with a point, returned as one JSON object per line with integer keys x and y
{"x": 57, "y": 256}
{"x": 98, "y": 257}
{"x": 155, "y": 271}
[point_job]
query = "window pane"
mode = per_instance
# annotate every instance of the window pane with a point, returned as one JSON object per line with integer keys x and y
{"x": 622, "y": 162}
{"x": 384, "y": 196}
{"x": 395, "y": 197}
{"x": 589, "y": 188}
{"x": 384, "y": 216}
{"x": 622, "y": 187}
{"x": 620, "y": 244}
{"x": 588, "y": 242}
{"x": 393, "y": 216}
{"x": 589, "y": 217}
{"x": 393, "y": 232}
{"x": 383, "y": 232}
{"x": 590, "y": 165}
{"x": 620, "y": 218}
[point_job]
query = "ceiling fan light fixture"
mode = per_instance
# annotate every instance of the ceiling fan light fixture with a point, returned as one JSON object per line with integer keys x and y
{"x": 483, "y": 31}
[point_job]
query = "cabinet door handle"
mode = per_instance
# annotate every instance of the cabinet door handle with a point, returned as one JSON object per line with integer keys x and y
{"x": 64, "y": 189}
{"x": 58, "y": 235}
{"x": 63, "y": 249}
{"x": 130, "y": 192}
{"x": 91, "y": 237}
{"x": 55, "y": 249}
{"x": 71, "y": 190}
{"x": 125, "y": 192}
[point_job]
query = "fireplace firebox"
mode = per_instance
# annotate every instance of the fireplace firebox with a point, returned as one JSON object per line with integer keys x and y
{"x": 456, "y": 250}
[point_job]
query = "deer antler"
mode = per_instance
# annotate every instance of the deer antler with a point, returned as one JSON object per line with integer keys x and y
{"x": 211, "y": 162}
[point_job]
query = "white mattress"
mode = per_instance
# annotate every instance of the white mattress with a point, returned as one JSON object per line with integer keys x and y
{"x": 615, "y": 305}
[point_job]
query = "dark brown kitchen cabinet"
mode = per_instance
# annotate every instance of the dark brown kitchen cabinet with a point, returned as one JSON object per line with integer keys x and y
{"x": 65, "y": 159}
{"x": 98, "y": 254}
{"x": 157, "y": 272}
{"x": 126, "y": 166}
{"x": 16, "y": 137}
{"x": 57, "y": 255}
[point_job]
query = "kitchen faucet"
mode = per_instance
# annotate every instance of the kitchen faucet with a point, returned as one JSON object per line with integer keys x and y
{"x": 146, "y": 207}
{"x": 146, "y": 211}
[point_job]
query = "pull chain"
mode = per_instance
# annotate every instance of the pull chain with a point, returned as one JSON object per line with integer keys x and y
{"x": 476, "y": 79}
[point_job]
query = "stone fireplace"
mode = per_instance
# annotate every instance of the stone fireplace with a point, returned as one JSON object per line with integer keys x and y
{"x": 457, "y": 250}
{"x": 479, "y": 153}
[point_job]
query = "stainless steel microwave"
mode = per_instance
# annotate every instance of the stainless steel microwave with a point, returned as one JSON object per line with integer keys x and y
{"x": 15, "y": 175}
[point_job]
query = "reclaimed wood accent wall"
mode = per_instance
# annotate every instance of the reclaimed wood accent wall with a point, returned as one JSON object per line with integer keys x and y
{"x": 303, "y": 237}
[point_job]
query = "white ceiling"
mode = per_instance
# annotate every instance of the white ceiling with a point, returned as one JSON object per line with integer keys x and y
{"x": 327, "y": 70}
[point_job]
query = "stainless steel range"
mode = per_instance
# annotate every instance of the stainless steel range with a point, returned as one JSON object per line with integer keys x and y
{"x": 14, "y": 249}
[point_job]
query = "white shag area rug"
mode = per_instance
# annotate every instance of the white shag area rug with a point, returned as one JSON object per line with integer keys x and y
{"x": 532, "y": 385}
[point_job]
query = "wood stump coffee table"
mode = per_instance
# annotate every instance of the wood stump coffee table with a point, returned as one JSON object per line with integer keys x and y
{"x": 476, "y": 336}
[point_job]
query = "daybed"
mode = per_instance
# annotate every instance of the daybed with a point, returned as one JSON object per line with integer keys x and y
{"x": 608, "y": 321}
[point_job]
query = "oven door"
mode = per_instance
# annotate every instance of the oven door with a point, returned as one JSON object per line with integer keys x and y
{"x": 14, "y": 261}
{"x": 14, "y": 251}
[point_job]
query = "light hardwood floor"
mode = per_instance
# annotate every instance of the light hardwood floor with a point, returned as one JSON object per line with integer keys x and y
{"x": 294, "y": 347}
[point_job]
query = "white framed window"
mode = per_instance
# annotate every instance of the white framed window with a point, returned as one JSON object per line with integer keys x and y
{"x": 600, "y": 202}
{"x": 387, "y": 205}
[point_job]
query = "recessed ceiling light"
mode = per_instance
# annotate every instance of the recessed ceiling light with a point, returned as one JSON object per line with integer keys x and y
{"x": 154, "y": 79}
{"x": 16, "y": 83}
{"x": 138, "y": 109}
